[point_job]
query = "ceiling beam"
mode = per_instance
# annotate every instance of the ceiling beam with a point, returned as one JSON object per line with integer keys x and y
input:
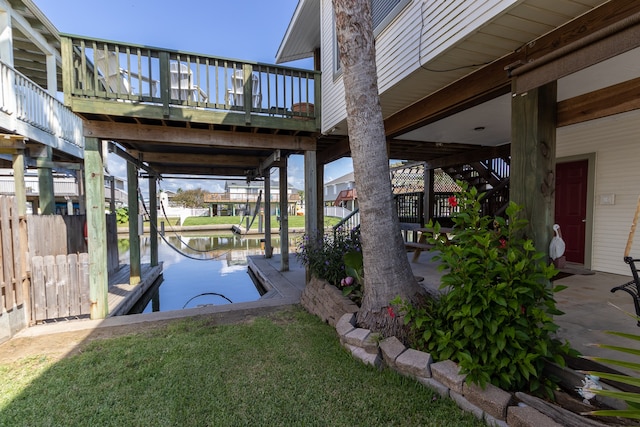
{"x": 266, "y": 164}
{"x": 211, "y": 138}
{"x": 199, "y": 170}
{"x": 195, "y": 158}
{"x": 335, "y": 151}
{"x": 615, "y": 99}
{"x": 113, "y": 148}
{"x": 469, "y": 157}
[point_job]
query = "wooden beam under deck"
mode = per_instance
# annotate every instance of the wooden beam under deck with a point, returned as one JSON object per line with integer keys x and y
{"x": 247, "y": 162}
{"x": 219, "y": 171}
{"x": 178, "y": 136}
{"x": 144, "y": 111}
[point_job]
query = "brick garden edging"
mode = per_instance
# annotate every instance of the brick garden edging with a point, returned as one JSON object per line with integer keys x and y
{"x": 492, "y": 405}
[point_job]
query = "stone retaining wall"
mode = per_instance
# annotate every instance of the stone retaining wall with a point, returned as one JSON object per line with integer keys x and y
{"x": 326, "y": 301}
{"x": 493, "y": 405}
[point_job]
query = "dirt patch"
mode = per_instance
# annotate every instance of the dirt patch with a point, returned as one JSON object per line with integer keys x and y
{"x": 59, "y": 345}
{"x": 56, "y": 346}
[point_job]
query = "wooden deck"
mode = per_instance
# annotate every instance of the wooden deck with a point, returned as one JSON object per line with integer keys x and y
{"x": 123, "y": 296}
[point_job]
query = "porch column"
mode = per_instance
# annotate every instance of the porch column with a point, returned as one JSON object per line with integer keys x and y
{"x": 153, "y": 220}
{"x": 284, "y": 217}
{"x": 134, "y": 236}
{"x": 45, "y": 182}
{"x": 533, "y": 161}
{"x": 310, "y": 194}
{"x": 6, "y": 38}
{"x": 268, "y": 249}
{"x": 96, "y": 229}
{"x": 52, "y": 81}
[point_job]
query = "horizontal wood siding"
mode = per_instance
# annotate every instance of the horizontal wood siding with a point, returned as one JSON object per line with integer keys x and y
{"x": 398, "y": 48}
{"x": 615, "y": 140}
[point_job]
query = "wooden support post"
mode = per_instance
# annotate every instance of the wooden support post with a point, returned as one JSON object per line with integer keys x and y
{"x": 18, "y": 177}
{"x": 310, "y": 194}
{"x": 21, "y": 201}
{"x": 81, "y": 192}
{"x": 45, "y": 183}
{"x": 112, "y": 195}
{"x": 429, "y": 196}
{"x": 284, "y": 217}
{"x": 268, "y": 249}
{"x": 320, "y": 194}
{"x": 533, "y": 160}
{"x": 96, "y": 229}
{"x": 153, "y": 220}
{"x": 134, "y": 236}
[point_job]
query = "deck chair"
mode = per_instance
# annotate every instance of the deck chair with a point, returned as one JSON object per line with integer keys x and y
{"x": 235, "y": 95}
{"x": 117, "y": 79}
{"x": 182, "y": 87}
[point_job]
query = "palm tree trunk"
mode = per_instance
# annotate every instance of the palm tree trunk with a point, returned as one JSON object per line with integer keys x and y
{"x": 386, "y": 267}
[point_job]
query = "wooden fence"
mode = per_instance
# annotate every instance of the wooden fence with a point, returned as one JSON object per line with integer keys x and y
{"x": 60, "y": 265}
{"x": 60, "y": 286}
{"x": 13, "y": 274}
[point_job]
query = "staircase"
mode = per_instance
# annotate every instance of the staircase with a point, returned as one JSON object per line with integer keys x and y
{"x": 489, "y": 176}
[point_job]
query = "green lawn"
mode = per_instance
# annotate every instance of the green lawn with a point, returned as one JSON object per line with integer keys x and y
{"x": 294, "y": 221}
{"x": 285, "y": 369}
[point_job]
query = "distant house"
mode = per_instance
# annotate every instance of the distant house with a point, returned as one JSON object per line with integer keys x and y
{"x": 240, "y": 198}
{"x": 66, "y": 190}
{"x": 341, "y": 192}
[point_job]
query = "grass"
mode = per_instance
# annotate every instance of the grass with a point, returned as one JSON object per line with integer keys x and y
{"x": 294, "y": 221}
{"x": 285, "y": 369}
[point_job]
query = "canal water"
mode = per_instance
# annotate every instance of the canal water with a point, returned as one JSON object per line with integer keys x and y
{"x": 200, "y": 269}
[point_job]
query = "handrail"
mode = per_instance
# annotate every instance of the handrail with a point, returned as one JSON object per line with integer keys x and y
{"x": 30, "y": 104}
{"x": 352, "y": 221}
{"x": 112, "y": 70}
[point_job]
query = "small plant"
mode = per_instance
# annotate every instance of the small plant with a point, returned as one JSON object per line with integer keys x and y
{"x": 324, "y": 255}
{"x": 632, "y": 399}
{"x": 495, "y": 319}
{"x": 352, "y": 283}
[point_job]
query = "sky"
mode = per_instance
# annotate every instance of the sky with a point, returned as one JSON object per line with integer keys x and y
{"x": 249, "y": 29}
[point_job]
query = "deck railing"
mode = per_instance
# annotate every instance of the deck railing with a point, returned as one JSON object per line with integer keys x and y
{"x": 112, "y": 70}
{"x": 27, "y": 103}
{"x": 242, "y": 198}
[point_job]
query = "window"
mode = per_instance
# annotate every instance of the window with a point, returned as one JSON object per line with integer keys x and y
{"x": 383, "y": 12}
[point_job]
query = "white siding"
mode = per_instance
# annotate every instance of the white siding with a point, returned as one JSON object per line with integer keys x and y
{"x": 443, "y": 24}
{"x": 617, "y": 171}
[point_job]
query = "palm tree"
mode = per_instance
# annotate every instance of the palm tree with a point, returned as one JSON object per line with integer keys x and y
{"x": 387, "y": 273}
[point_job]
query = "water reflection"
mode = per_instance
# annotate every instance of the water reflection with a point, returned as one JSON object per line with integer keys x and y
{"x": 200, "y": 270}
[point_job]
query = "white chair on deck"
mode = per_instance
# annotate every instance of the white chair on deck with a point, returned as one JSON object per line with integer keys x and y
{"x": 235, "y": 95}
{"x": 182, "y": 87}
{"x": 117, "y": 79}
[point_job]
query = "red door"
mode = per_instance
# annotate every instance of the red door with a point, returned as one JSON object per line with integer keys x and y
{"x": 571, "y": 206}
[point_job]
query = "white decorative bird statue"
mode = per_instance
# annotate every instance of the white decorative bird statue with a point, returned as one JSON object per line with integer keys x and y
{"x": 557, "y": 245}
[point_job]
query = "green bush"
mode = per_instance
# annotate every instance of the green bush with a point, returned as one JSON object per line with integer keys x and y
{"x": 122, "y": 215}
{"x": 324, "y": 255}
{"x": 495, "y": 320}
